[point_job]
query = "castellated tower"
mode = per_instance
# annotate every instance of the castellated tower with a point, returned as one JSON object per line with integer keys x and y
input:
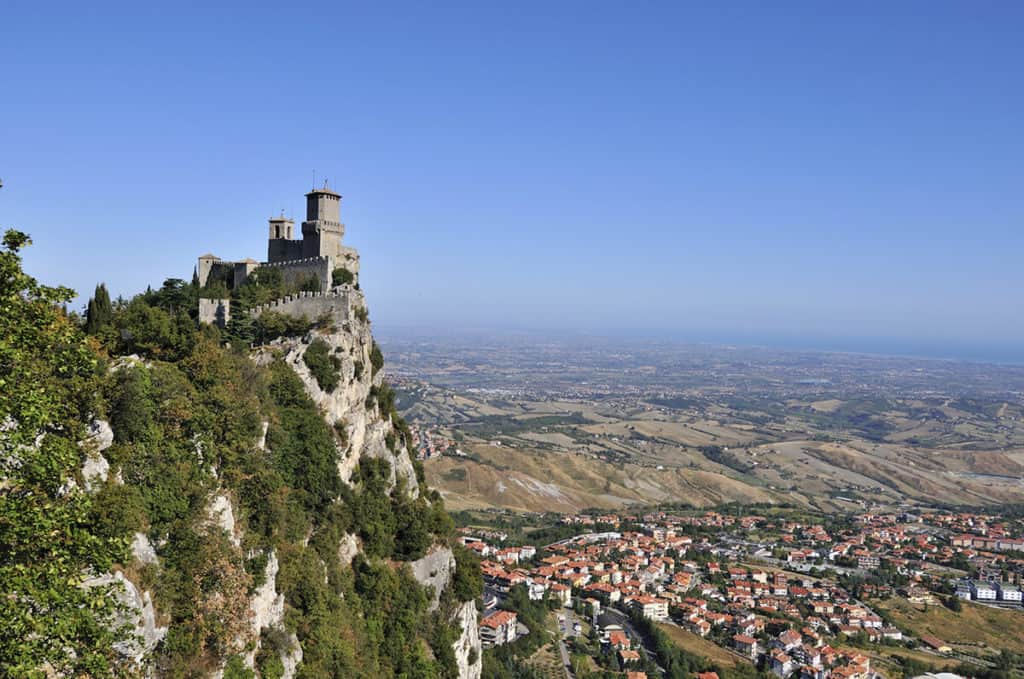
{"x": 317, "y": 264}
{"x": 322, "y": 230}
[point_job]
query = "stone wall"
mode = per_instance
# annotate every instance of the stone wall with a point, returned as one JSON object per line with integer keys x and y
{"x": 214, "y": 269}
{"x": 242, "y": 270}
{"x": 283, "y": 249}
{"x": 297, "y": 271}
{"x": 215, "y": 311}
{"x": 339, "y": 303}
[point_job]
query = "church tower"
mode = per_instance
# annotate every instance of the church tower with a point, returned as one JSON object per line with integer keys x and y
{"x": 322, "y": 230}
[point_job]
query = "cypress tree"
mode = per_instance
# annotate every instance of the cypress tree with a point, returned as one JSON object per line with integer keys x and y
{"x": 99, "y": 312}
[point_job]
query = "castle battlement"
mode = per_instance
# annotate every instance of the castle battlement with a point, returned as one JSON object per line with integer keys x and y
{"x": 338, "y": 303}
{"x": 316, "y": 255}
{"x": 340, "y": 292}
{"x": 297, "y": 262}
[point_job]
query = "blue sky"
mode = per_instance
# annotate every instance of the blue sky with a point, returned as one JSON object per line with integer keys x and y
{"x": 822, "y": 172}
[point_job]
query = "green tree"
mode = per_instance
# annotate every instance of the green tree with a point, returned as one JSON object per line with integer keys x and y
{"x": 99, "y": 312}
{"x": 48, "y": 542}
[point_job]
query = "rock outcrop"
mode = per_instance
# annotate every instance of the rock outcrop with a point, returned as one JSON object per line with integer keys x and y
{"x": 136, "y": 611}
{"x": 434, "y": 570}
{"x": 350, "y": 405}
{"x": 267, "y": 606}
{"x": 95, "y": 469}
{"x": 363, "y": 431}
{"x": 467, "y": 646}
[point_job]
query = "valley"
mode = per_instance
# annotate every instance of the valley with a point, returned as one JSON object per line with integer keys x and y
{"x": 563, "y": 427}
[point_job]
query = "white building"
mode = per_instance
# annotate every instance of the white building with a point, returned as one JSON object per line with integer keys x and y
{"x": 498, "y": 628}
{"x": 651, "y": 607}
{"x": 982, "y": 591}
{"x": 1009, "y": 592}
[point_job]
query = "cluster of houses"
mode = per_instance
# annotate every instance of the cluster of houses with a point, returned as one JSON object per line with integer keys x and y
{"x": 701, "y": 573}
{"x": 428, "y": 443}
{"x": 645, "y": 572}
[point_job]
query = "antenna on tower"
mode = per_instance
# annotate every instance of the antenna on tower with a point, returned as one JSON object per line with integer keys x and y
{"x": 314, "y": 179}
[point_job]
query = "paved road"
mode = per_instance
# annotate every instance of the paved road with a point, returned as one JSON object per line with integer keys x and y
{"x": 564, "y": 621}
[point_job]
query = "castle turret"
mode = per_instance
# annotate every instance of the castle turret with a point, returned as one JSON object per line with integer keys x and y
{"x": 282, "y": 227}
{"x": 281, "y": 245}
{"x": 322, "y": 230}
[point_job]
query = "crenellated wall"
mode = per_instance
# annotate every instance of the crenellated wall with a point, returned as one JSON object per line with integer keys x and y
{"x": 339, "y": 303}
{"x": 296, "y": 271}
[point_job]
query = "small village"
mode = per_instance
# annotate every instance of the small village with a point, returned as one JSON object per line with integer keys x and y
{"x": 791, "y": 597}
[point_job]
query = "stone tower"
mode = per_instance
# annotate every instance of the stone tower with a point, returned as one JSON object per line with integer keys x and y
{"x": 282, "y": 245}
{"x": 322, "y": 230}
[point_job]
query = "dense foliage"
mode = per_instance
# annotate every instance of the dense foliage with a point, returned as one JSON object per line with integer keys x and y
{"x": 47, "y": 541}
{"x": 323, "y": 365}
{"x": 342, "y": 276}
{"x": 99, "y": 312}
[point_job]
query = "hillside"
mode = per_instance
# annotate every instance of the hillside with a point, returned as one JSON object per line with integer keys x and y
{"x": 221, "y": 511}
{"x": 532, "y": 452}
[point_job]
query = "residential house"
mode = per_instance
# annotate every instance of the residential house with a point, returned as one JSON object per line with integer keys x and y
{"x": 498, "y": 628}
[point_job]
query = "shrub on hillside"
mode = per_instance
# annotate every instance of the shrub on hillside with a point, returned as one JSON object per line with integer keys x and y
{"x": 376, "y": 358}
{"x": 323, "y": 365}
{"x": 342, "y": 276}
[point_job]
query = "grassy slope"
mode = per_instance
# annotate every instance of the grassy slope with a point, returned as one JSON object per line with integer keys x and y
{"x": 974, "y": 625}
{"x": 689, "y": 641}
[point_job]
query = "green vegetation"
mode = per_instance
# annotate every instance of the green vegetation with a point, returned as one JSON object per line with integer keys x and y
{"x": 532, "y": 614}
{"x": 99, "y": 312}
{"x": 186, "y": 414}
{"x": 468, "y": 583}
{"x": 376, "y": 359}
{"x": 271, "y": 325}
{"x": 324, "y": 365}
{"x": 48, "y": 375}
{"x": 342, "y": 276}
{"x": 726, "y": 459}
{"x": 681, "y": 664}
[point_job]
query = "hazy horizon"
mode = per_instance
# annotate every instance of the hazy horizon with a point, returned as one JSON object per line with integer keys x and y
{"x": 843, "y": 180}
{"x": 991, "y": 353}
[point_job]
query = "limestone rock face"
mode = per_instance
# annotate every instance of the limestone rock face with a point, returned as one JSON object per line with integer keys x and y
{"x": 434, "y": 570}
{"x": 347, "y": 549}
{"x": 137, "y": 612}
{"x": 142, "y": 549}
{"x": 95, "y": 469}
{"x": 366, "y": 428}
{"x": 267, "y": 606}
{"x": 467, "y": 647}
{"x": 221, "y": 514}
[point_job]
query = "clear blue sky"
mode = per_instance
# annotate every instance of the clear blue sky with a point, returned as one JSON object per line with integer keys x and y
{"x": 823, "y": 172}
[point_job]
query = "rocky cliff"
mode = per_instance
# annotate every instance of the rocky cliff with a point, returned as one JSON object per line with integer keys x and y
{"x": 263, "y": 637}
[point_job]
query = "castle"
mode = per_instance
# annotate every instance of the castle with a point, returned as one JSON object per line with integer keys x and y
{"x": 318, "y": 255}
